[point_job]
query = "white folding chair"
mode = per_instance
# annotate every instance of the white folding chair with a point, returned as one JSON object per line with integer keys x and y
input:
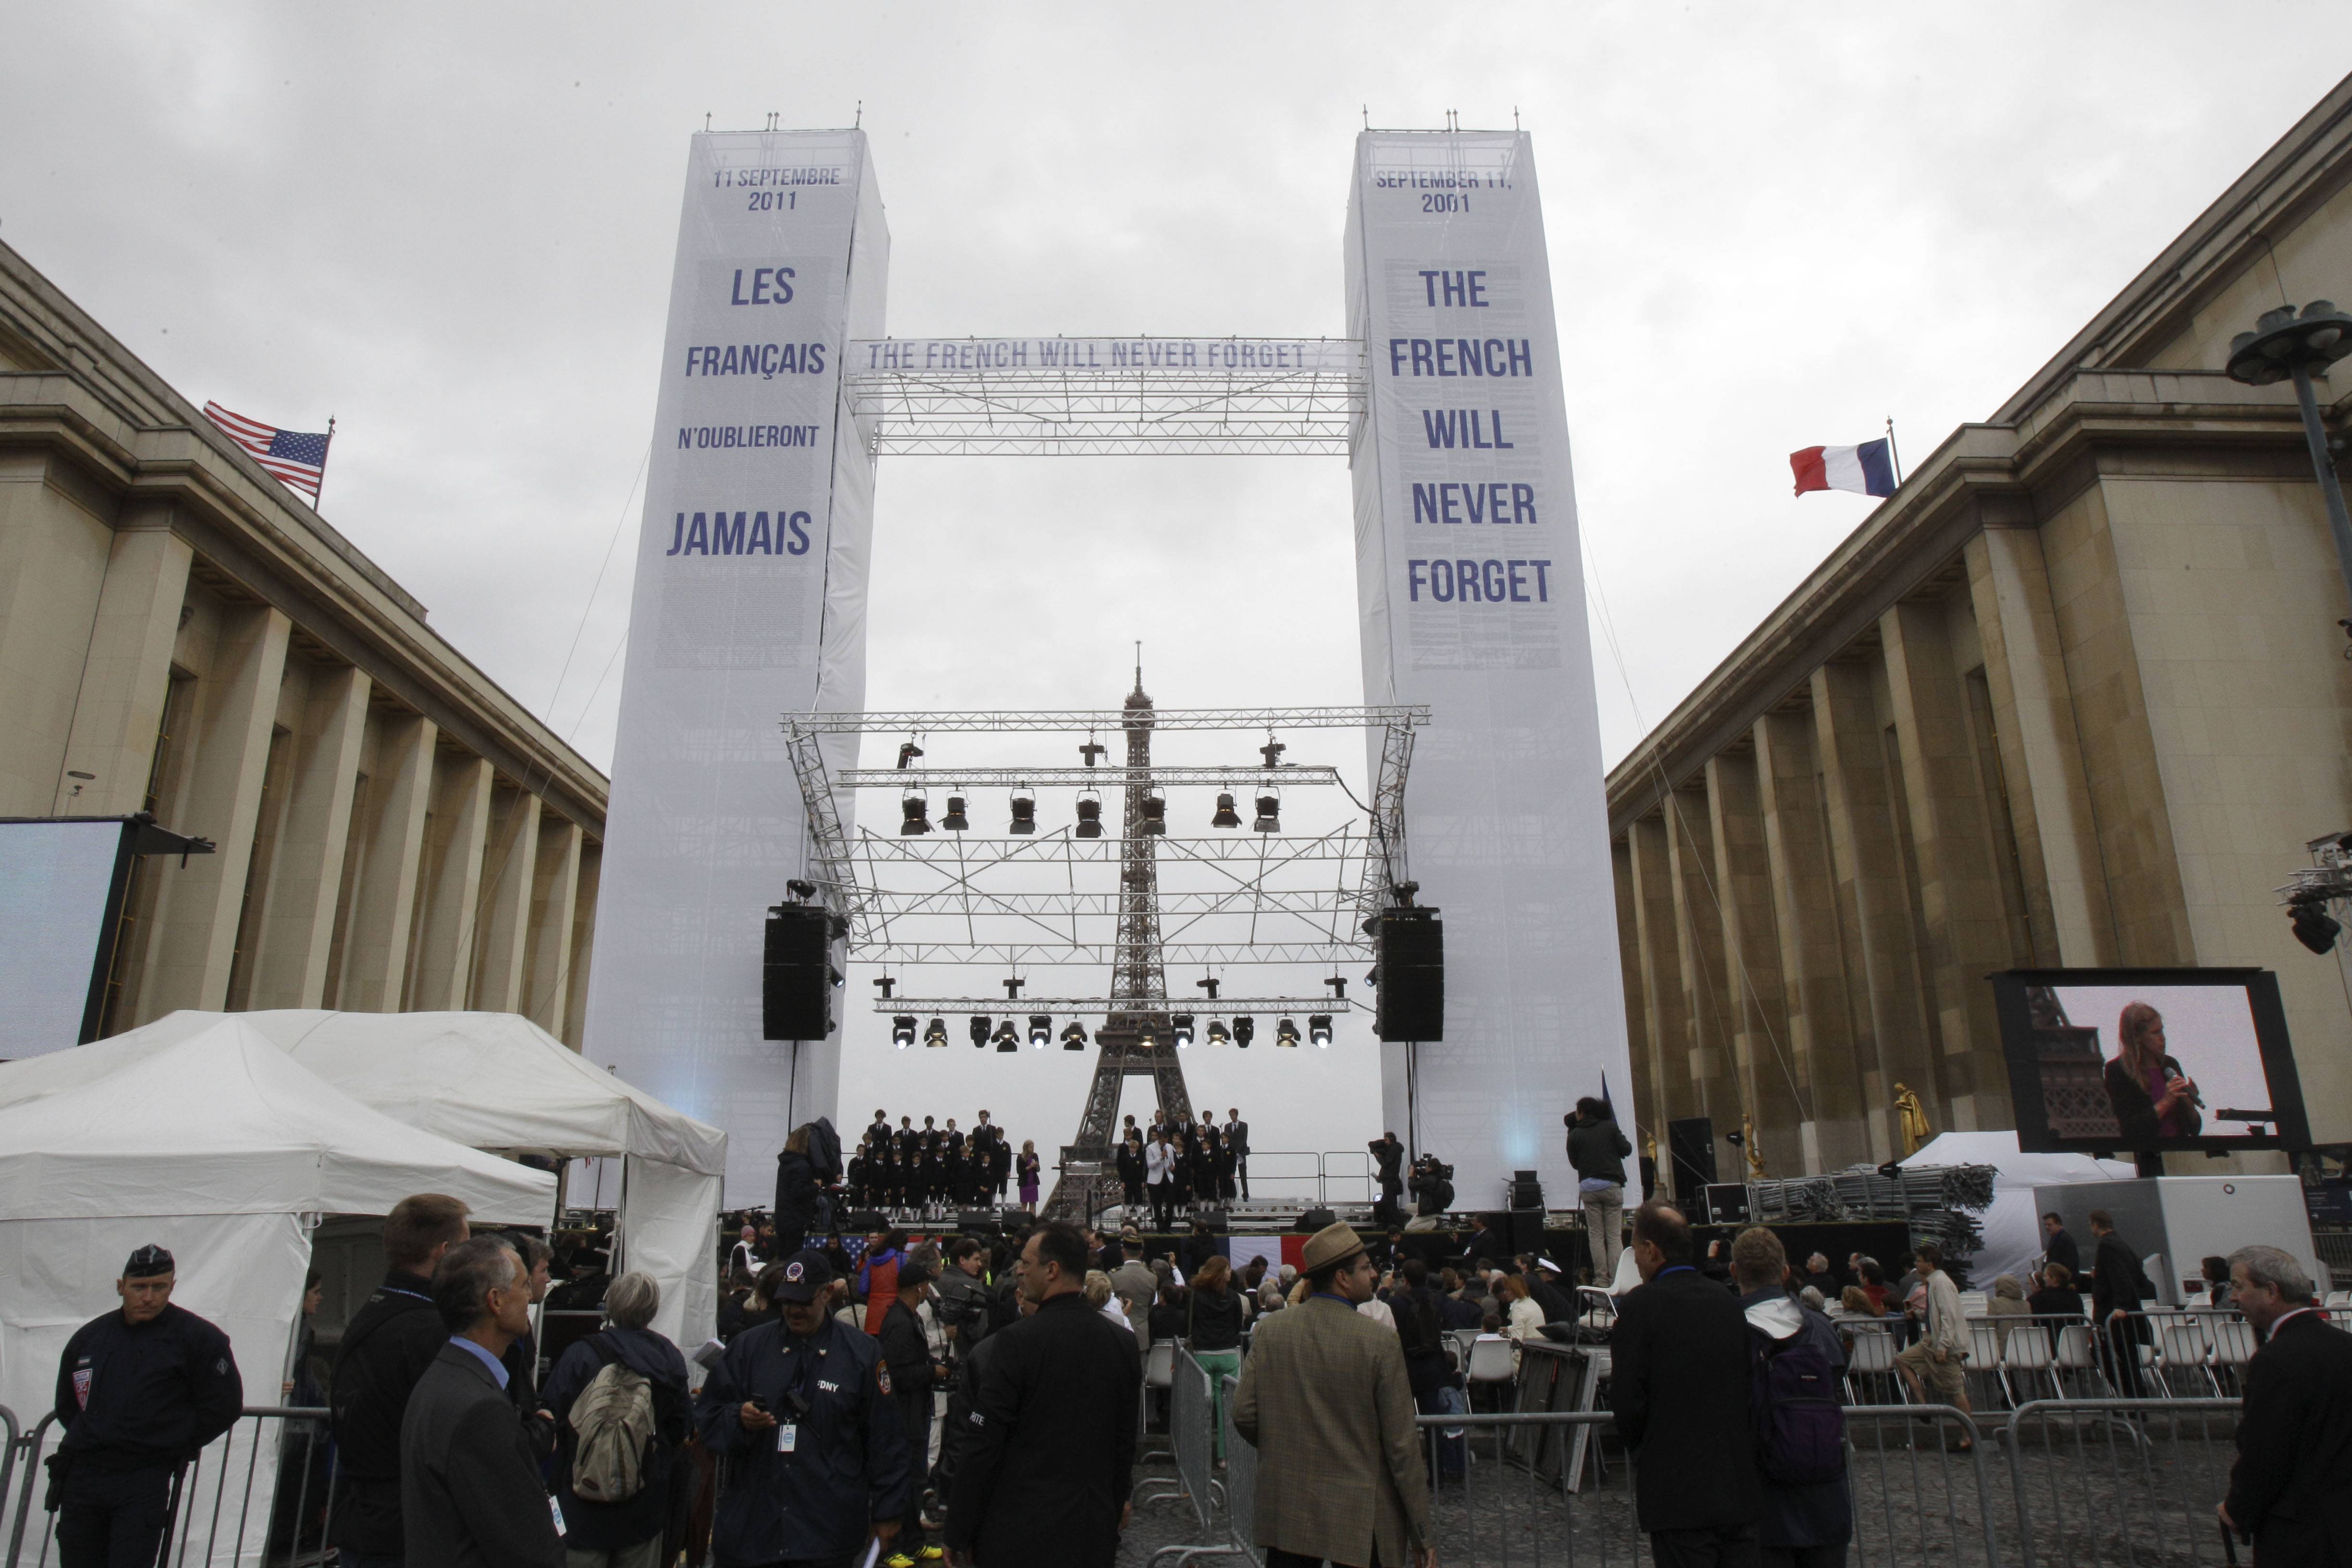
{"x": 2234, "y": 1347}
{"x": 2026, "y": 1358}
{"x": 1873, "y": 1357}
{"x": 2079, "y": 1356}
{"x": 2337, "y": 1300}
{"x": 1984, "y": 1352}
{"x": 1974, "y": 1302}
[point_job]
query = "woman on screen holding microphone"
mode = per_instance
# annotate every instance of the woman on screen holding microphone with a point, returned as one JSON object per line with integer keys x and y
{"x": 2152, "y": 1098}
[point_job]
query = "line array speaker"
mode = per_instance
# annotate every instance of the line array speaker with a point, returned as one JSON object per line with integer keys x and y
{"x": 1690, "y": 1143}
{"x": 796, "y": 978}
{"x": 1409, "y": 1004}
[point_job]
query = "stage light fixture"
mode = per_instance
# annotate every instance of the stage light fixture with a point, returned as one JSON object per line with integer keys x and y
{"x": 802, "y": 892}
{"x": 1339, "y": 984}
{"x": 1089, "y": 815}
{"x": 907, "y": 752}
{"x": 1218, "y": 1033}
{"x": 1269, "y": 813}
{"x": 1146, "y": 1040}
{"x": 915, "y": 813}
{"x": 956, "y": 821}
{"x": 1286, "y": 1033}
{"x": 902, "y": 1030}
{"x": 1041, "y": 1029}
{"x": 1093, "y": 751}
{"x": 1024, "y": 810}
{"x": 978, "y": 1029}
{"x": 1245, "y": 1031}
{"x": 1180, "y": 1027}
{"x": 1007, "y": 1036}
{"x": 2313, "y": 926}
{"x": 1013, "y": 985}
{"x": 937, "y": 1034}
{"x": 1272, "y": 751}
{"x": 1155, "y": 811}
{"x": 1318, "y": 1029}
{"x": 885, "y": 986}
{"x": 1074, "y": 1038}
{"x": 1227, "y": 816}
{"x": 1208, "y": 983}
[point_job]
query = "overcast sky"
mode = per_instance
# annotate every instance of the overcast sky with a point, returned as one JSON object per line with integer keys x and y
{"x": 451, "y": 227}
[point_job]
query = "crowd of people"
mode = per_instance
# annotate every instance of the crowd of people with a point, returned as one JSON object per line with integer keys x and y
{"x": 812, "y": 1436}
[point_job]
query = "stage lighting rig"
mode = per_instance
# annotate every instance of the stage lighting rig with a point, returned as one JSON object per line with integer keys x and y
{"x": 902, "y": 1030}
{"x": 1007, "y": 1036}
{"x": 1013, "y": 985}
{"x": 1074, "y": 1036}
{"x": 1272, "y": 751}
{"x": 1318, "y": 1029}
{"x": 1155, "y": 811}
{"x": 801, "y": 891}
{"x": 1286, "y": 1033}
{"x": 1180, "y": 1027}
{"x": 1245, "y": 1031}
{"x": 979, "y": 1030}
{"x": 1147, "y": 1039}
{"x": 1041, "y": 1029}
{"x": 1339, "y": 984}
{"x": 956, "y": 821}
{"x": 907, "y": 752}
{"x": 1218, "y": 1033}
{"x": 1093, "y": 751}
{"x": 1025, "y": 809}
{"x": 915, "y": 813}
{"x": 886, "y": 985}
{"x": 1269, "y": 811}
{"x": 1089, "y": 815}
{"x": 937, "y": 1034}
{"x": 1208, "y": 983}
{"x": 1226, "y": 817}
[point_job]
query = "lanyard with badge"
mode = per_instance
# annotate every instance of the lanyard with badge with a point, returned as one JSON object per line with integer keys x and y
{"x": 802, "y": 1359}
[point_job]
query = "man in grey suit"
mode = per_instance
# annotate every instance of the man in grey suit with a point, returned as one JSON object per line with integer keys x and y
{"x": 1326, "y": 1401}
{"x": 470, "y": 1491}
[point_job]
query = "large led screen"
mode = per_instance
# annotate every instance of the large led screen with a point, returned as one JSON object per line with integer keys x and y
{"x": 58, "y": 891}
{"x": 2148, "y": 1059}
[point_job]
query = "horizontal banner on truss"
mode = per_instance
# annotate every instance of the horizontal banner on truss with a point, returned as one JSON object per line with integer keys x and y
{"x": 1176, "y": 356}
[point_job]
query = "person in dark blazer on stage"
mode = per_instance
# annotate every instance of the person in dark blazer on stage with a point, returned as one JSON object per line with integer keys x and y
{"x": 1679, "y": 1387}
{"x": 470, "y": 1495}
{"x": 2291, "y": 1489}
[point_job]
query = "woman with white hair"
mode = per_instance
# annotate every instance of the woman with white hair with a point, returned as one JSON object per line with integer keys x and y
{"x": 591, "y": 1390}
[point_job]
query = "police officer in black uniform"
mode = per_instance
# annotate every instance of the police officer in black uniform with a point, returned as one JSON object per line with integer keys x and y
{"x": 138, "y": 1391}
{"x": 813, "y": 1454}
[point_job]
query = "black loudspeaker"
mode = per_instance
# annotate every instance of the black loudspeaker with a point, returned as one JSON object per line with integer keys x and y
{"x": 1314, "y": 1220}
{"x": 976, "y": 1222}
{"x": 1213, "y": 1222}
{"x": 865, "y": 1222}
{"x": 1690, "y": 1143}
{"x": 1726, "y": 1204}
{"x": 1526, "y": 1231}
{"x": 1526, "y": 1192}
{"x": 1409, "y": 1004}
{"x": 796, "y": 980}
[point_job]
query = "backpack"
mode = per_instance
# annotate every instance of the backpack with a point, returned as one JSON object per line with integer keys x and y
{"x": 1799, "y": 1421}
{"x": 616, "y": 1425}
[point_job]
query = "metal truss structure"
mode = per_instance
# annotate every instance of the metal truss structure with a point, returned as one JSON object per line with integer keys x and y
{"x": 1106, "y": 396}
{"x": 1093, "y": 1006}
{"x": 1083, "y": 778}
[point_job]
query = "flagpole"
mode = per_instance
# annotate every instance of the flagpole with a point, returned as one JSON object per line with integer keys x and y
{"x": 1892, "y": 456}
{"x": 323, "y": 451}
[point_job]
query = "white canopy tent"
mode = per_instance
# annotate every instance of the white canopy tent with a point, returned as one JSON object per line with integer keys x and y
{"x": 497, "y": 1082}
{"x": 2012, "y": 1227}
{"x": 220, "y": 1147}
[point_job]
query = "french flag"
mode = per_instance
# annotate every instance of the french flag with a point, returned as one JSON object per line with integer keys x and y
{"x": 1867, "y": 470}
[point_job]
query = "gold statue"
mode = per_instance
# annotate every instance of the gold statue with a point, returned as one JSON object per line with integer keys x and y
{"x": 1748, "y": 1147}
{"x": 1912, "y": 1117}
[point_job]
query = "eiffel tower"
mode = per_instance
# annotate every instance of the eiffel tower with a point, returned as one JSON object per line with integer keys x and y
{"x": 1135, "y": 1040}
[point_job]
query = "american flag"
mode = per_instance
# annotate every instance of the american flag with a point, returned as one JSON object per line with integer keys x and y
{"x": 296, "y": 457}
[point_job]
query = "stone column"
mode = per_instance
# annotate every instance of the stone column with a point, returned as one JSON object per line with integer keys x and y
{"x": 509, "y": 876}
{"x": 449, "y": 896}
{"x": 1892, "y": 1045}
{"x": 1629, "y": 954}
{"x": 1698, "y": 937}
{"x": 375, "y": 945}
{"x": 1664, "y": 1001}
{"x": 2041, "y": 751}
{"x": 547, "y": 988}
{"x": 583, "y": 942}
{"x": 126, "y": 678}
{"x": 197, "y": 912}
{"x": 1760, "y": 1046}
{"x": 307, "y": 870}
{"x": 1813, "y": 944}
{"x": 1960, "y": 886}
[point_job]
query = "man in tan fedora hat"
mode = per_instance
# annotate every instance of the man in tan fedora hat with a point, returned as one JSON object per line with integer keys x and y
{"x": 1340, "y": 1478}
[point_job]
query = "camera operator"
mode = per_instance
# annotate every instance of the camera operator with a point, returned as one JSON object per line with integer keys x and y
{"x": 1432, "y": 1186}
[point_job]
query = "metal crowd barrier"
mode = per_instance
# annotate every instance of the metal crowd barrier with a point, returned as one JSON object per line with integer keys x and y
{"x": 1191, "y": 1412}
{"x": 2120, "y": 1480}
{"x": 258, "y": 1497}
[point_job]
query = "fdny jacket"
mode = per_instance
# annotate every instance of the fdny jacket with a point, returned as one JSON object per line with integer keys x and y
{"x": 848, "y": 1466}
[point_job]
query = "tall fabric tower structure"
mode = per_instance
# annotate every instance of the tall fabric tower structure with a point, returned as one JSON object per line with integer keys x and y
{"x": 750, "y": 603}
{"x": 1136, "y": 1039}
{"x": 1471, "y": 594}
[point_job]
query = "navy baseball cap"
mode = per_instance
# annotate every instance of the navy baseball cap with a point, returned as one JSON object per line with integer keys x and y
{"x": 804, "y": 1276}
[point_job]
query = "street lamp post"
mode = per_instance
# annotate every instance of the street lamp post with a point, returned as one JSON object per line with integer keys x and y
{"x": 2287, "y": 343}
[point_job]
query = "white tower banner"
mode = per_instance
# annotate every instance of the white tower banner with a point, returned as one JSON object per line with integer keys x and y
{"x": 1473, "y": 600}
{"x": 750, "y": 603}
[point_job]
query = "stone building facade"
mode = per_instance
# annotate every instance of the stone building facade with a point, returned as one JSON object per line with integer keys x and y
{"x": 181, "y": 633}
{"x": 2075, "y": 695}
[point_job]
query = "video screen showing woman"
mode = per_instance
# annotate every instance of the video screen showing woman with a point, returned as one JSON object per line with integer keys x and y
{"x": 2153, "y": 1099}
